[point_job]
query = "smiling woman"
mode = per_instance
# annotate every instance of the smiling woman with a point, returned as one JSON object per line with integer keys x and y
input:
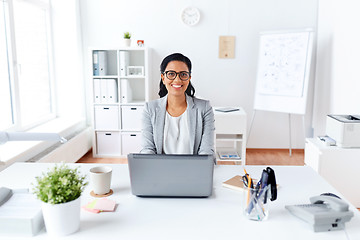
{"x": 178, "y": 122}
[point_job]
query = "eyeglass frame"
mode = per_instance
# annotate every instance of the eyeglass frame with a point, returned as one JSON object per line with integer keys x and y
{"x": 177, "y": 74}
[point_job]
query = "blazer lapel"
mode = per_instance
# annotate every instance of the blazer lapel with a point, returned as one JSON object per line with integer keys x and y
{"x": 192, "y": 111}
{"x": 159, "y": 124}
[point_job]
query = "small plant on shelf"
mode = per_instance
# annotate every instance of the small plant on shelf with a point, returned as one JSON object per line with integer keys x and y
{"x": 127, "y": 35}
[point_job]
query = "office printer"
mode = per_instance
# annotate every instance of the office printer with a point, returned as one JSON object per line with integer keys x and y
{"x": 344, "y": 129}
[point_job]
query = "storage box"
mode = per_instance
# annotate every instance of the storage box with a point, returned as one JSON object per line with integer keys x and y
{"x": 107, "y": 117}
{"x": 108, "y": 143}
{"x": 20, "y": 213}
{"x": 130, "y": 143}
{"x": 344, "y": 129}
{"x": 131, "y": 117}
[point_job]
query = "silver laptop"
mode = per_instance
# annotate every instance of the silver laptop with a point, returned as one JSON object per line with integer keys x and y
{"x": 168, "y": 175}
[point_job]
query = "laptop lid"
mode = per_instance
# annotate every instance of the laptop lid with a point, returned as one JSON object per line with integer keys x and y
{"x": 170, "y": 175}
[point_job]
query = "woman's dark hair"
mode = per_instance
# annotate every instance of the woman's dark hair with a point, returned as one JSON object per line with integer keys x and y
{"x": 175, "y": 57}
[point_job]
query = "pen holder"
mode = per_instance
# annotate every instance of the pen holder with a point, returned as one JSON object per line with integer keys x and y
{"x": 256, "y": 203}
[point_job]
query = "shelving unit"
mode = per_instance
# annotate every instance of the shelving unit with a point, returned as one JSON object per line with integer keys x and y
{"x": 230, "y": 134}
{"x": 118, "y": 99}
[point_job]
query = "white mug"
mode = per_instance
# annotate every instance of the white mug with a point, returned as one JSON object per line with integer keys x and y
{"x": 100, "y": 179}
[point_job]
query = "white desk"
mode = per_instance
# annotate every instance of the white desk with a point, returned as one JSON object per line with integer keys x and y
{"x": 217, "y": 217}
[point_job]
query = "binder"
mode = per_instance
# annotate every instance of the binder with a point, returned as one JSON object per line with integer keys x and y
{"x": 125, "y": 91}
{"x": 103, "y": 91}
{"x": 97, "y": 91}
{"x": 102, "y": 61}
{"x": 124, "y": 60}
{"x": 111, "y": 90}
{"x": 95, "y": 63}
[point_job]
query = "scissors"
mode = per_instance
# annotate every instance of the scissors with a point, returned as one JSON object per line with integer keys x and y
{"x": 246, "y": 179}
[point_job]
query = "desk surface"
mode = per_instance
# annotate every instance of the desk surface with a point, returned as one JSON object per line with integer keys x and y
{"x": 217, "y": 217}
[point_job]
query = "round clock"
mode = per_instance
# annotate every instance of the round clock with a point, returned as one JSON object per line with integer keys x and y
{"x": 190, "y": 16}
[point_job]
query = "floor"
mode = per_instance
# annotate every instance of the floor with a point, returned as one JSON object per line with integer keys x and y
{"x": 253, "y": 157}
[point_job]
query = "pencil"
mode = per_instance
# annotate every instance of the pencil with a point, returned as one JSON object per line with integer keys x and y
{"x": 248, "y": 193}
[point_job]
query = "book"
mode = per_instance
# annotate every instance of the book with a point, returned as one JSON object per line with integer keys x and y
{"x": 229, "y": 155}
{"x": 226, "y": 109}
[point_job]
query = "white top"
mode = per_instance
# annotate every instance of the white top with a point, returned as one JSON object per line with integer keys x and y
{"x": 176, "y": 134}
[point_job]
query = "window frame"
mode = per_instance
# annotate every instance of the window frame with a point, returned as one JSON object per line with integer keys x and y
{"x": 14, "y": 66}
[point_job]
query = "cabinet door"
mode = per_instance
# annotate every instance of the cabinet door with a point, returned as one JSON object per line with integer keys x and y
{"x": 106, "y": 117}
{"x": 131, "y": 118}
{"x": 130, "y": 143}
{"x": 108, "y": 143}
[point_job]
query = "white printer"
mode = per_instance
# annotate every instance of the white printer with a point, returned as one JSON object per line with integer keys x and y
{"x": 344, "y": 129}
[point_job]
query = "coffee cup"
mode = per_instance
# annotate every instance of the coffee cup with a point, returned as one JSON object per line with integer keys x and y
{"x": 100, "y": 179}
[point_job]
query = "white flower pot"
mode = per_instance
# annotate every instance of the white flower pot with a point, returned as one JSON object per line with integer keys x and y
{"x": 127, "y": 42}
{"x": 62, "y": 219}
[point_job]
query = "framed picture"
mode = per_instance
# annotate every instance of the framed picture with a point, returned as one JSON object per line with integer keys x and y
{"x": 135, "y": 70}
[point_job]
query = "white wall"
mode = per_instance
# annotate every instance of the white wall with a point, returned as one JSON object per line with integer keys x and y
{"x": 337, "y": 70}
{"x": 224, "y": 82}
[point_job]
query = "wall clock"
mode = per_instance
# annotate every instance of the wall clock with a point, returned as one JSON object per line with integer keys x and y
{"x": 190, "y": 16}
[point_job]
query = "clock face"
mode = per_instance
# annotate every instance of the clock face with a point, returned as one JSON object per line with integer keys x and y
{"x": 190, "y": 16}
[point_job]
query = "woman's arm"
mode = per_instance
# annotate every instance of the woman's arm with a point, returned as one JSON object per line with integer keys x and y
{"x": 147, "y": 137}
{"x": 207, "y": 139}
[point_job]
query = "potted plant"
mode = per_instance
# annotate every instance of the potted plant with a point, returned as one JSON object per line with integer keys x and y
{"x": 127, "y": 39}
{"x": 59, "y": 190}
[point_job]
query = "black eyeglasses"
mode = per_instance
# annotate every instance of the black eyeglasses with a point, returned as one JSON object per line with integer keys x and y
{"x": 183, "y": 75}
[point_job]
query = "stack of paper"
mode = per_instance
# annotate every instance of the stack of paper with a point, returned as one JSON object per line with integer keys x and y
{"x": 100, "y": 205}
{"x": 20, "y": 213}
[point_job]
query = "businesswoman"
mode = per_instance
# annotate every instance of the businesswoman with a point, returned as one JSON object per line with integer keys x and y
{"x": 178, "y": 122}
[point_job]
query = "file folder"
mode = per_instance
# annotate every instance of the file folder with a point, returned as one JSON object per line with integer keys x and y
{"x": 125, "y": 90}
{"x": 95, "y": 63}
{"x": 103, "y": 91}
{"x": 111, "y": 90}
{"x": 124, "y": 60}
{"x": 102, "y": 61}
{"x": 97, "y": 91}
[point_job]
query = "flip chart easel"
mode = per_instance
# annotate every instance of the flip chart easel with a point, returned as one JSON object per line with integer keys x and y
{"x": 283, "y": 73}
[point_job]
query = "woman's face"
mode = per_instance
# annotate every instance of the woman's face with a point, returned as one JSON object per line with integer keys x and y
{"x": 176, "y": 87}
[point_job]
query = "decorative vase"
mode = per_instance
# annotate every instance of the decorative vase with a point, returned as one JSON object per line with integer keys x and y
{"x": 62, "y": 219}
{"x": 127, "y": 42}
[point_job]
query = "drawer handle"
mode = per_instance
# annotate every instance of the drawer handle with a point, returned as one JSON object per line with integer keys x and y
{"x": 133, "y": 135}
{"x": 108, "y": 134}
{"x": 106, "y": 108}
{"x": 133, "y": 108}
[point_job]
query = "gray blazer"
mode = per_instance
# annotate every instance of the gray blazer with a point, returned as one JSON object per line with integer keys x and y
{"x": 200, "y": 122}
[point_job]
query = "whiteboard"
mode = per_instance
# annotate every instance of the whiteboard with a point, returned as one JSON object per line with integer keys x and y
{"x": 283, "y": 71}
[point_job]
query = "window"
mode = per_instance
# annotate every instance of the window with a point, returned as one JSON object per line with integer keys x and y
{"x": 6, "y": 119}
{"x": 26, "y": 93}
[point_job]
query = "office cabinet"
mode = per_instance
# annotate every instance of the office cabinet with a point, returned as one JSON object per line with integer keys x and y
{"x": 130, "y": 142}
{"x": 106, "y": 117}
{"x": 107, "y": 143}
{"x": 131, "y": 117}
{"x": 230, "y": 134}
{"x": 339, "y": 166}
{"x": 120, "y": 88}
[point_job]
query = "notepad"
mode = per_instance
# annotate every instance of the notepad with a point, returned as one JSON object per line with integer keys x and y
{"x": 234, "y": 183}
{"x": 100, "y": 205}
